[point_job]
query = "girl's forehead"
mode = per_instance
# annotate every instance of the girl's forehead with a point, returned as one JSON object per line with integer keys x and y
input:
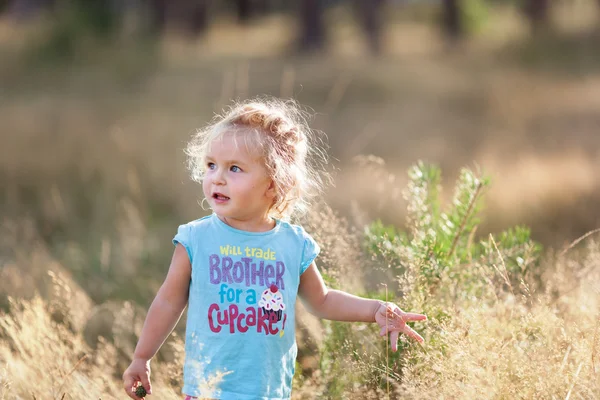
{"x": 239, "y": 142}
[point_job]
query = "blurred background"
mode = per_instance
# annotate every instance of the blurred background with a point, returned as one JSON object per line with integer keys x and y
{"x": 98, "y": 100}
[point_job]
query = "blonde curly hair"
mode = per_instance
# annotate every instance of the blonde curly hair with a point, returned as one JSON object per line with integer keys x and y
{"x": 293, "y": 154}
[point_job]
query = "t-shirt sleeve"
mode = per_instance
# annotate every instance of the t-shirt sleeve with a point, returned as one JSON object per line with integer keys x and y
{"x": 309, "y": 253}
{"x": 184, "y": 238}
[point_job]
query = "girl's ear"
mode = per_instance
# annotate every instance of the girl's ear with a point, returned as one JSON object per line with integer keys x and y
{"x": 271, "y": 190}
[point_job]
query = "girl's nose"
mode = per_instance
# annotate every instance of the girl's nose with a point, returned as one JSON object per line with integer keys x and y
{"x": 217, "y": 178}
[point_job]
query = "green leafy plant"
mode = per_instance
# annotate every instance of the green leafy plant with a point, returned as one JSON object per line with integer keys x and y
{"x": 439, "y": 262}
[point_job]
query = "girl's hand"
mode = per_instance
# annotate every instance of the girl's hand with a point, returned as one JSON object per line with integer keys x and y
{"x": 393, "y": 320}
{"x": 138, "y": 371}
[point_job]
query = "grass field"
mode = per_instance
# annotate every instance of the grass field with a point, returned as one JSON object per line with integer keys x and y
{"x": 93, "y": 185}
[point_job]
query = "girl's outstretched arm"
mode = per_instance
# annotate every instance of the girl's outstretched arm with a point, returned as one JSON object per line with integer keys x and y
{"x": 165, "y": 311}
{"x": 341, "y": 306}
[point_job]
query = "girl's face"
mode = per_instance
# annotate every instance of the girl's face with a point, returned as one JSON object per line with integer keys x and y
{"x": 236, "y": 183}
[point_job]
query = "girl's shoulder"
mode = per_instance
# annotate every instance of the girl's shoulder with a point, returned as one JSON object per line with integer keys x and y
{"x": 195, "y": 226}
{"x": 200, "y": 222}
{"x": 294, "y": 230}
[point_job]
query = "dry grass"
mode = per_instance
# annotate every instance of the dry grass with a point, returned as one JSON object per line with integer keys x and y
{"x": 544, "y": 346}
{"x": 42, "y": 359}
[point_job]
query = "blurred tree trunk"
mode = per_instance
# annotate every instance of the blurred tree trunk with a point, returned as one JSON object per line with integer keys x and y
{"x": 3, "y": 6}
{"x": 198, "y": 17}
{"x": 244, "y": 10}
{"x": 537, "y": 12}
{"x": 191, "y": 15}
{"x": 158, "y": 16}
{"x": 451, "y": 19}
{"x": 312, "y": 34}
{"x": 262, "y": 6}
{"x": 248, "y": 9}
{"x": 369, "y": 13}
{"x": 102, "y": 18}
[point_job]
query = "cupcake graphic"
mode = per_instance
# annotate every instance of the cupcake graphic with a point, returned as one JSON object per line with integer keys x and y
{"x": 271, "y": 302}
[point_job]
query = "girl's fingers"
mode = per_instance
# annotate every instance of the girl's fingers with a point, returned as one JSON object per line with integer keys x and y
{"x": 406, "y": 316}
{"x": 414, "y": 317}
{"x": 408, "y": 331}
{"x": 394, "y": 340}
{"x": 128, "y": 382}
{"x": 146, "y": 383}
{"x": 392, "y": 310}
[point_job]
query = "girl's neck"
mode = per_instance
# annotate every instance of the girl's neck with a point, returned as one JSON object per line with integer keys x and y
{"x": 262, "y": 224}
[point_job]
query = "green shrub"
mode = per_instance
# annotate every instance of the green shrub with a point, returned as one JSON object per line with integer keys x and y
{"x": 440, "y": 265}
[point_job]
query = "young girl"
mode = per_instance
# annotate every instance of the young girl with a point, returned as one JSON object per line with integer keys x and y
{"x": 241, "y": 269}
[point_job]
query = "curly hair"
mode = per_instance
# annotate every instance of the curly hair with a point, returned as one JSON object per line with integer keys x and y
{"x": 293, "y": 153}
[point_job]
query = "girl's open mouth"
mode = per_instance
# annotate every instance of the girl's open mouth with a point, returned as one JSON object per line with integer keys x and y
{"x": 220, "y": 197}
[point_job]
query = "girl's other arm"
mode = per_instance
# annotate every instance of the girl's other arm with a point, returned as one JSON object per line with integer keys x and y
{"x": 341, "y": 306}
{"x": 163, "y": 314}
{"x": 333, "y": 304}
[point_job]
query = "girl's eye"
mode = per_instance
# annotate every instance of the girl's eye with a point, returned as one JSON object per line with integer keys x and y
{"x": 235, "y": 168}
{"x": 211, "y": 165}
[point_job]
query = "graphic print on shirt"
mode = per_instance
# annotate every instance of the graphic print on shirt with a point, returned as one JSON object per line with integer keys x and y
{"x": 238, "y": 274}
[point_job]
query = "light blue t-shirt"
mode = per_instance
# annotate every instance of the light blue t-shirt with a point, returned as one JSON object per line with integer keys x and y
{"x": 240, "y": 334}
